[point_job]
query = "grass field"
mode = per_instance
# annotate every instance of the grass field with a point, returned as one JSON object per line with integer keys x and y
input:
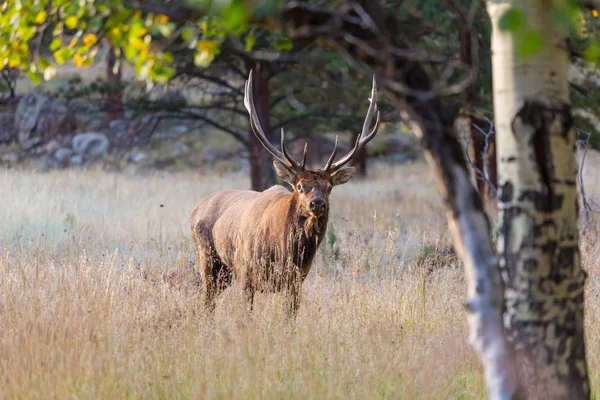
{"x": 98, "y": 298}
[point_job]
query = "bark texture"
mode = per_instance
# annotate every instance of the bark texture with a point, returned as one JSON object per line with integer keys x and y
{"x": 538, "y": 242}
{"x": 434, "y": 124}
{"x": 262, "y": 175}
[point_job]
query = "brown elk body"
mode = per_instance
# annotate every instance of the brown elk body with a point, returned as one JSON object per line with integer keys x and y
{"x": 267, "y": 240}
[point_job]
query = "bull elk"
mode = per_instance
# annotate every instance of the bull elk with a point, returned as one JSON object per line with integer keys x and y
{"x": 267, "y": 240}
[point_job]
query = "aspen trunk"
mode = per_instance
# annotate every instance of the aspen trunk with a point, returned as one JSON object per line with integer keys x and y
{"x": 538, "y": 242}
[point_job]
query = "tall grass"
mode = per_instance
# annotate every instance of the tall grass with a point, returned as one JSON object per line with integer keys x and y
{"x": 98, "y": 298}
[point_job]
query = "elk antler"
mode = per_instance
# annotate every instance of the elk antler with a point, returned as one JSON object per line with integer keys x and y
{"x": 362, "y": 139}
{"x": 260, "y": 134}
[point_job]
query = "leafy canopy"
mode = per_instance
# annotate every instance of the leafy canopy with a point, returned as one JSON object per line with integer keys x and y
{"x": 37, "y": 35}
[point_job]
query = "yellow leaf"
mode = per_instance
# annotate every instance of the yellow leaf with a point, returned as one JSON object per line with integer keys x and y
{"x": 89, "y": 39}
{"x": 14, "y": 60}
{"x": 71, "y": 22}
{"x": 40, "y": 18}
{"x": 207, "y": 46}
{"x": 78, "y": 60}
{"x": 162, "y": 19}
{"x": 136, "y": 43}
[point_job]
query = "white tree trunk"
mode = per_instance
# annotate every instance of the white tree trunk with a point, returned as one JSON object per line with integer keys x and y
{"x": 538, "y": 243}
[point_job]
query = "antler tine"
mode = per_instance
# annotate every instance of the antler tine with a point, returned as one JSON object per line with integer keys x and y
{"x": 258, "y": 131}
{"x": 287, "y": 155}
{"x": 303, "y": 164}
{"x": 365, "y": 135}
{"x": 333, "y": 154}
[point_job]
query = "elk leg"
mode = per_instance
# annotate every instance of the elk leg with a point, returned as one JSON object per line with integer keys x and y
{"x": 293, "y": 301}
{"x": 216, "y": 276}
{"x": 249, "y": 294}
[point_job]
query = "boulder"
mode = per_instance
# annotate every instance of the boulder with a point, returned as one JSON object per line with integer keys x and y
{"x": 209, "y": 155}
{"x": 9, "y": 159}
{"x": 90, "y": 145}
{"x": 137, "y": 157}
{"x": 118, "y": 125}
{"x": 63, "y": 155}
{"x": 76, "y": 160}
{"x": 7, "y": 127}
{"x": 41, "y": 116}
{"x": 31, "y": 143}
{"x": 52, "y": 146}
{"x": 400, "y": 144}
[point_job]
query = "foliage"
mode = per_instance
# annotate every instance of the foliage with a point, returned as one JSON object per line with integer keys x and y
{"x": 581, "y": 25}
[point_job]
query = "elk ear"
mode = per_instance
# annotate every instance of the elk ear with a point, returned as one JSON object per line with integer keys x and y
{"x": 342, "y": 176}
{"x": 284, "y": 172}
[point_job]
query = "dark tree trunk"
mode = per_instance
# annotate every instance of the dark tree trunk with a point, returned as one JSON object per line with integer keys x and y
{"x": 482, "y": 154}
{"x": 262, "y": 174}
{"x": 360, "y": 159}
{"x": 113, "y": 79}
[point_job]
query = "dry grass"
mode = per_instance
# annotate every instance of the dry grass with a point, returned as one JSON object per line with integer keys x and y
{"x": 85, "y": 311}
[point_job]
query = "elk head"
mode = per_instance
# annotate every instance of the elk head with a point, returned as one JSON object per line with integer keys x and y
{"x": 313, "y": 186}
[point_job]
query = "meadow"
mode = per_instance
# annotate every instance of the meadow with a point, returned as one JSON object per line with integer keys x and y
{"x": 99, "y": 299}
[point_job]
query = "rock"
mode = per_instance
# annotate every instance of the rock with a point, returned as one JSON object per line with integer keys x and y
{"x": 180, "y": 129}
{"x": 7, "y": 124}
{"x": 399, "y": 144}
{"x": 63, "y": 155}
{"x": 97, "y": 121}
{"x": 52, "y": 146}
{"x": 41, "y": 116}
{"x": 31, "y": 143}
{"x": 118, "y": 125}
{"x": 180, "y": 149}
{"x": 76, "y": 160}
{"x": 137, "y": 157}
{"x": 90, "y": 145}
{"x": 210, "y": 155}
{"x": 9, "y": 158}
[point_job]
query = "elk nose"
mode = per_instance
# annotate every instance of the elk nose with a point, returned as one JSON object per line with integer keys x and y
{"x": 317, "y": 205}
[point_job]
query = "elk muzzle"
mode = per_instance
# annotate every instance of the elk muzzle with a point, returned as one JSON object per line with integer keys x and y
{"x": 318, "y": 206}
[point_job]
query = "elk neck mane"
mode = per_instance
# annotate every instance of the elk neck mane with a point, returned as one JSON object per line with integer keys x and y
{"x": 302, "y": 232}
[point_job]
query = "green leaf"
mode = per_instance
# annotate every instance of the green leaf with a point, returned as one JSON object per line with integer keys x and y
{"x": 35, "y": 77}
{"x": 188, "y": 33}
{"x": 592, "y": 53}
{"x": 529, "y": 43}
{"x": 130, "y": 53}
{"x": 250, "y": 41}
{"x": 95, "y": 24}
{"x": 43, "y": 63}
{"x": 161, "y": 74}
{"x": 55, "y": 44}
{"x": 235, "y": 16}
{"x": 285, "y": 44}
{"x": 63, "y": 55}
{"x": 167, "y": 58}
{"x": 512, "y": 20}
